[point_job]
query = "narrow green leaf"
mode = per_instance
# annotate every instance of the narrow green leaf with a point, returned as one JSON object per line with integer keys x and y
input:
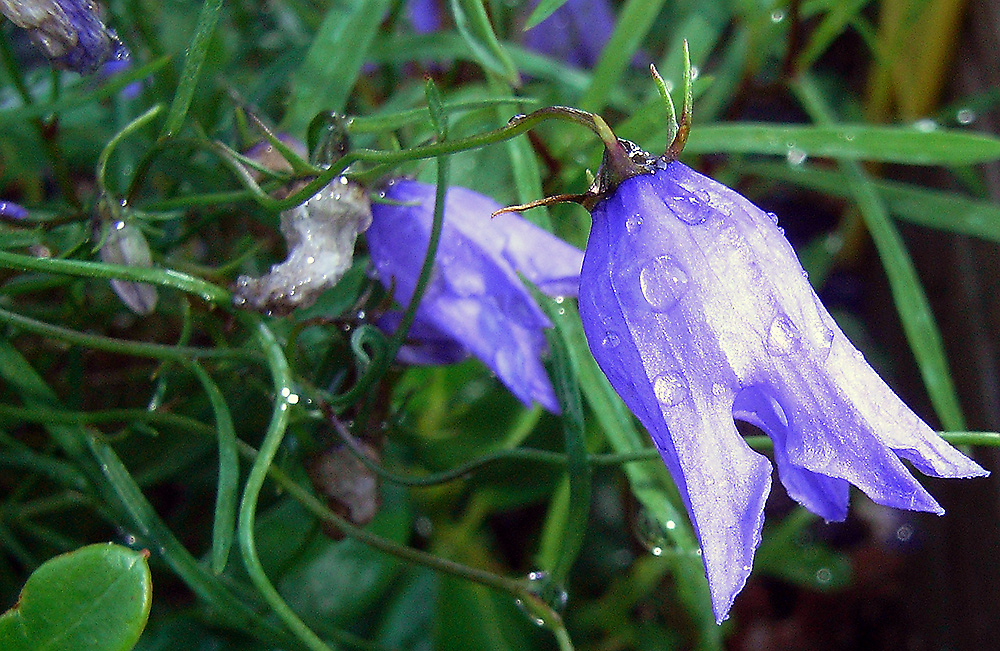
{"x": 578, "y": 470}
{"x": 224, "y": 525}
{"x": 196, "y": 54}
{"x": 908, "y": 294}
{"x": 543, "y": 10}
{"x": 634, "y": 22}
{"x": 473, "y": 24}
{"x": 907, "y": 145}
{"x": 95, "y": 598}
{"x": 83, "y": 94}
{"x": 938, "y": 209}
{"x": 331, "y": 67}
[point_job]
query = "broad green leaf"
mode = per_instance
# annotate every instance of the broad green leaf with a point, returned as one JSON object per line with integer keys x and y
{"x": 96, "y": 598}
{"x": 908, "y": 145}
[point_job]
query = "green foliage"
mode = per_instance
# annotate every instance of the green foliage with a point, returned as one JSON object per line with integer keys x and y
{"x": 195, "y": 432}
{"x": 96, "y": 598}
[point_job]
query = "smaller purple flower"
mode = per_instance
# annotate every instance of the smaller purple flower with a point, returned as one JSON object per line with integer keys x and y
{"x": 475, "y": 297}
{"x": 70, "y": 32}
{"x": 575, "y": 32}
{"x": 12, "y": 211}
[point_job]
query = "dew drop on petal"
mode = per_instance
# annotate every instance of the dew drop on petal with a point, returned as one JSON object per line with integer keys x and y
{"x": 611, "y": 340}
{"x": 782, "y": 337}
{"x": 696, "y": 214}
{"x": 773, "y": 218}
{"x": 633, "y": 224}
{"x": 670, "y": 389}
{"x": 663, "y": 283}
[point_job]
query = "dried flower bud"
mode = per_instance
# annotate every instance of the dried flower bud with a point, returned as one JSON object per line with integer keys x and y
{"x": 126, "y": 245}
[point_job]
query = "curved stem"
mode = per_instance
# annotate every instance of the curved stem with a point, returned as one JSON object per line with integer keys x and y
{"x": 282, "y": 379}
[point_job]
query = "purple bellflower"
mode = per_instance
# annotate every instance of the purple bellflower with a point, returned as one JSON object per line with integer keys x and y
{"x": 70, "y": 32}
{"x": 698, "y": 311}
{"x": 475, "y": 297}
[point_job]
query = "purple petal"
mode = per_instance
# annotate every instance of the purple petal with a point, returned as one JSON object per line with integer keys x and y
{"x": 575, "y": 32}
{"x": 425, "y": 345}
{"x": 11, "y": 210}
{"x": 475, "y": 295}
{"x": 70, "y": 32}
{"x": 697, "y": 309}
{"x": 424, "y": 15}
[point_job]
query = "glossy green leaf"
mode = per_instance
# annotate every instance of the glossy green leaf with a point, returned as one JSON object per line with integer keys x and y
{"x": 908, "y": 145}
{"x": 96, "y": 598}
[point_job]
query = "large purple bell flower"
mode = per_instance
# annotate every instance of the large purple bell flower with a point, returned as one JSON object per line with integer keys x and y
{"x": 475, "y": 297}
{"x": 698, "y": 311}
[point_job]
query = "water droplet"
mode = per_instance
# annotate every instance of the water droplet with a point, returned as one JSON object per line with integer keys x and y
{"x": 670, "y": 388}
{"x": 965, "y": 116}
{"x": 694, "y": 72}
{"x": 796, "y": 156}
{"x": 633, "y": 224}
{"x": 777, "y": 16}
{"x": 824, "y": 575}
{"x": 783, "y": 337}
{"x": 904, "y": 533}
{"x": 663, "y": 283}
{"x": 559, "y": 300}
{"x": 773, "y": 218}
{"x": 611, "y": 340}
{"x": 652, "y": 534}
{"x": 696, "y": 214}
{"x": 925, "y": 126}
{"x": 546, "y": 591}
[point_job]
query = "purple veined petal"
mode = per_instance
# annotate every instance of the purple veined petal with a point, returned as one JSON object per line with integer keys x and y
{"x": 723, "y": 483}
{"x": 547, "y": 261}
{"x": 475, "y": 295}
{"x": 699, "y": 312}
